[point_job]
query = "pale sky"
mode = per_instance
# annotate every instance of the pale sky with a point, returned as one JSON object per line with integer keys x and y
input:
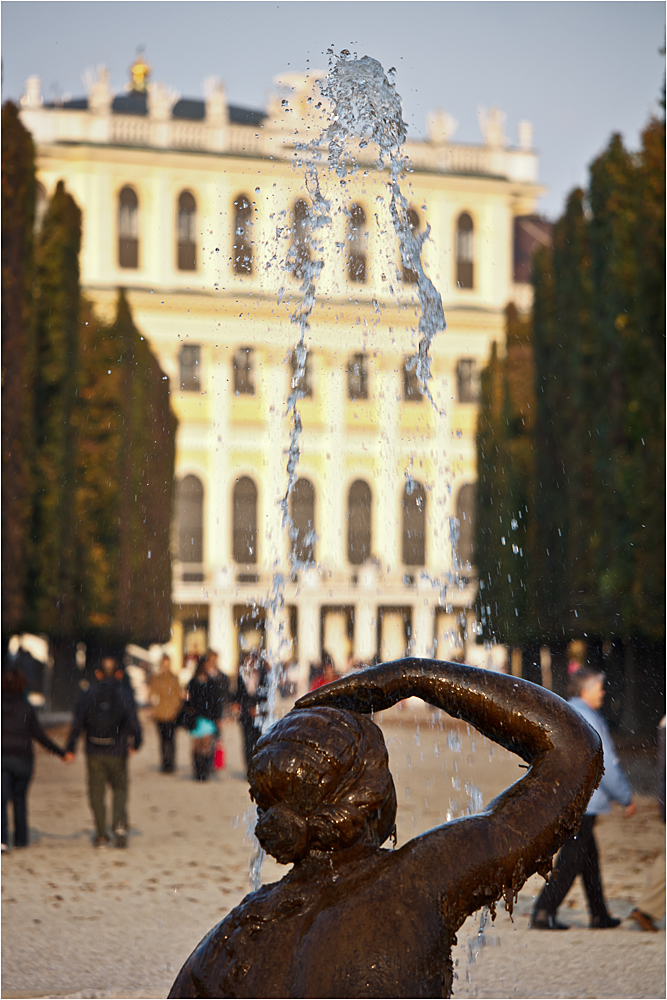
{"x": 577, "y": 70}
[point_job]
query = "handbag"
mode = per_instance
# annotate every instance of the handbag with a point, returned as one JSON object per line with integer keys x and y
{"x": 187, "y": 717}
{"x": 219, "y": 757}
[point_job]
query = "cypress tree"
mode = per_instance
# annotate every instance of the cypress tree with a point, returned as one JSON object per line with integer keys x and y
{"x": 18, "y": 214}
{"x": 596, "y": 543}
{"x": 547, "y": 551}
{"x": 56, "y": 295}
{"x": 490, "y": 496}
{"x": 88, "y": 442}
{"x": 612, "y": 230}
{"x": 577, "y": 601}
{"x": 125, "y": 470}
{"x": 146, "y": 485}
{"x": 645, "y": 371}
{"x": 504, "y": 532}
{"x": 99, "y": 435}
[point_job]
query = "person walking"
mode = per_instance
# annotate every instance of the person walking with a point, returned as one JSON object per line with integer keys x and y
{"x": 165, "y": 696}
{"x": 251, "y": 694}
{"x": 20, "y": 726}
{"x": 650, "y": 908}
{"x": 579, "y": 854}
{"x": 107, "y": 714}
{"x": 206, "y": 704}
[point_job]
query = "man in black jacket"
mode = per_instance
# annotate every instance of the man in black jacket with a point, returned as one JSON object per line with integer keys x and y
{"x": 107, "y": 713}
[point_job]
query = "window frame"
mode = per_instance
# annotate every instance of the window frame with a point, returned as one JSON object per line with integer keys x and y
{"x": 361, "y": 557}
{"x": 362, "y": 393}
{"x": 128, "y": 242}
{"x": 251, "y": 545}
{"x": 469, "y": 519}
{"x": 305, "y": 386}
{"x": 193, "y": 382}
{"x": 357, "y": 245}
{"x": 408, "y": 276}
{"x": 305, "y": 544}
{"x": 243, "y": 374}
{"x": 186, "y": 249}
{"x": 468, "y": 387}
{"x": 465, "y": 252}
{"x": 197, "y": 536}
{"x": 299, "y": 254}
{"x": 410, "y": 388}
{"x": 408, "y": 545}
{"x": 242, "y": 245}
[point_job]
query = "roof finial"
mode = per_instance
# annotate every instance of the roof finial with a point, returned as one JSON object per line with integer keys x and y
{"x": 140, "y": 71}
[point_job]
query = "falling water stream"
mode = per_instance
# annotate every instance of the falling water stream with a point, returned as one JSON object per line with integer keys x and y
{"x": 360, "y": 106}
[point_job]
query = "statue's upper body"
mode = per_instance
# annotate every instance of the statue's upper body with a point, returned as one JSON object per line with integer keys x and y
{"x": 352, "y": 919}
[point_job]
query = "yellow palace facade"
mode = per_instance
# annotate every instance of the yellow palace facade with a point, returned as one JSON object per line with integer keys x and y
{"x": 199, "y": 210}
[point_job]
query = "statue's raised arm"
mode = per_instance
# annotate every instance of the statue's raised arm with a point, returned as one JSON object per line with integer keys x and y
{"x": 351, "y": 919}
{"x": 521, "y": 829}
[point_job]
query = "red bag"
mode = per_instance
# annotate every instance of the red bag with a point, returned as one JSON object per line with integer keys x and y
{"x": 219, "y": 759}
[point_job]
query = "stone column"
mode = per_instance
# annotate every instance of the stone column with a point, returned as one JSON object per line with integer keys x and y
{"x": 334, "y": 500}
{"x": 221, "y": 635}
{"x": 385, "y": 492}
{"x": 308, "y": 631}
{"x": 365, "y": 630}
{"x": 422, "y": 629}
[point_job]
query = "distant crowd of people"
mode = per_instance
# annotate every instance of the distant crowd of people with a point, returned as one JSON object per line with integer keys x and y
{"x": 106, "y": 715}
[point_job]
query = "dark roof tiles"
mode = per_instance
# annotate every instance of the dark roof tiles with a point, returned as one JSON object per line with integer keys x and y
{"x": 189, "y": 108}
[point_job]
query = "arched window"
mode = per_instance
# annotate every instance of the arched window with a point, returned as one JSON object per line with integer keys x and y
{"x": 187, "y": 220}
{"x": 465, "y": 512}
{"x": 299, "y": 252}
{"x": 359, "y": 522}
{"x": 190, "y": 519}
{"x": 242, "y": 245}
{"x": 464, "y": 251}
{"x": 411, "y": 277}
{"x": 41, "y": 204}
{"x": 245, "y": 521}
{"x": 414, "y": 524}
{"x": 128, "y": 228}
{"x": 356, "y": 245}
{"x": 302, "y": 511}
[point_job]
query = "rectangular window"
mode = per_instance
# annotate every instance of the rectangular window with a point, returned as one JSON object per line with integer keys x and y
{"x": 357, "y": 377}
{"x": 244, "y": 381}
{"x": 467, "y": 377}
{"x": 411, "y": 388}
{"x": 128, "y": 253}
{"x": 305, "y": 384}
{"x": 187, "y": 255}
{"x": 190, "y": 358}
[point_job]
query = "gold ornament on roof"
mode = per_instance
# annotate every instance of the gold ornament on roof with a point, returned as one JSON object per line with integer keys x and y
{"x": 140, "y": 71}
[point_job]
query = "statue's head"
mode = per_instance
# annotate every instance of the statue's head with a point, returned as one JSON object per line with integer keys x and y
{"x": 321, "y": 781}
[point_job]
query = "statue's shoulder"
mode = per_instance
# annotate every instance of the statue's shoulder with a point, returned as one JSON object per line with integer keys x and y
{"x": 224, "y": 962}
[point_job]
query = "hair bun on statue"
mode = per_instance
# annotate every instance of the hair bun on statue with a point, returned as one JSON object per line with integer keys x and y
{"x": 335, "y": 827}
{"x": 321, "y": 780}
{"x": 283, "y": 833}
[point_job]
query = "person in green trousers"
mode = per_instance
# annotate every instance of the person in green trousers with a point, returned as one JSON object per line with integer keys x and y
{"x": 107, "y": 714}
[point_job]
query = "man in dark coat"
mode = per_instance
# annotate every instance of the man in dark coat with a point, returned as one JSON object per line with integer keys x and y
{"x": 251, "y": 696}
{"x": 106, "y": 711}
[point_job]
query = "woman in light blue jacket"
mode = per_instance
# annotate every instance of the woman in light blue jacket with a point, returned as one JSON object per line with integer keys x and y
{"x": 579, "y": 854}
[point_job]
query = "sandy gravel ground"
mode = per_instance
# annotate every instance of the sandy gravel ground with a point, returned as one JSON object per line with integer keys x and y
{"x": 108, "y": 923}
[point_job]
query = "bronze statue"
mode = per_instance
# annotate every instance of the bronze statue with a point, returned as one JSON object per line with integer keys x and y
{"x": 351, "y": 919}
